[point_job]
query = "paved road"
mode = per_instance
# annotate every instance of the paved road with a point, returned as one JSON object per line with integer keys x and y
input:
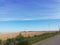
{"x": 51, "y": 41}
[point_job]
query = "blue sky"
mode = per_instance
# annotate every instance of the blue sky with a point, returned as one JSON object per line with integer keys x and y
{"x": 29, "y": 15}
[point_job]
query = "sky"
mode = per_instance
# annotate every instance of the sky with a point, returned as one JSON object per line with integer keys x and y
{"x": 29, "y": 15}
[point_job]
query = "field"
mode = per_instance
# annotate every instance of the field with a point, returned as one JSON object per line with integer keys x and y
{"x": 14, "y": 34}
{"x": 25, "y": 38}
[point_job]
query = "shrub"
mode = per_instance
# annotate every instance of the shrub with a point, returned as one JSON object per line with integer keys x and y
{"x": 20, "y": 40}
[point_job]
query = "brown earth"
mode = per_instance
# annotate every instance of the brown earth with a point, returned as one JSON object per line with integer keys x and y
{"x": 13, "y": 35}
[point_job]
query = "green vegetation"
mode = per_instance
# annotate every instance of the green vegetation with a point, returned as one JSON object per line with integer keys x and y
{"x": 20, "y": 40}
{"x": 37, "y": 38}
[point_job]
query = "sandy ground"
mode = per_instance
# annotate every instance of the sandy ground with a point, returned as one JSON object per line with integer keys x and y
{"x": 13, "y": 35}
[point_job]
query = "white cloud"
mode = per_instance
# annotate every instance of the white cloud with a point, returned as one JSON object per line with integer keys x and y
{"x": 13, "y": 19}
{"x": 41, "y": 18}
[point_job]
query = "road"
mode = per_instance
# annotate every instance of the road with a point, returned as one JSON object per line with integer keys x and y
{"x": 51, "y": 41}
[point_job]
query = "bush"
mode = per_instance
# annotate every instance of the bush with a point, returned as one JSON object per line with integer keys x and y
{"x": 20, "y": 40}
{"x": 0, "y": 42}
